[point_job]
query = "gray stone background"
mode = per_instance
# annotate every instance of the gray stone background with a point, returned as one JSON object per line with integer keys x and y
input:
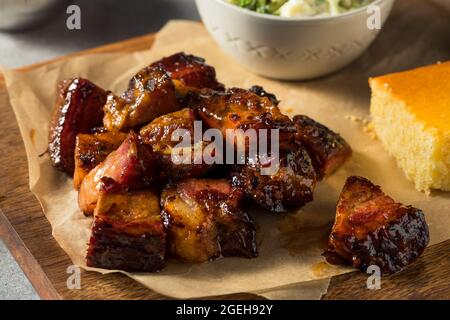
{"x": 102, "y": 22}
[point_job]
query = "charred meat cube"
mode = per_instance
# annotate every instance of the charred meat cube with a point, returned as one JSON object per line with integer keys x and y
{"x": 132, "y": 166}
{"x": 128, "y": 232}
{"x": 91, "y": 150}
{"x": 189, "y": 72}
{"x": 241, "y": 109}
{"x": 204, "y": 221}
{"x": 150, "y": 93}
{"x": 327, "y": 149}
{"x": 78, "y": 109}
{"x": 292, "y": 186}
{"x": 372, "y": 229}
{"x": 158, "y": 134}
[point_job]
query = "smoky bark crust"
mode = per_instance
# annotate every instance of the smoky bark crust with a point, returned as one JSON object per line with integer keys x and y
{"x": 78, "y": 109}
{"x": 110, "y": 248}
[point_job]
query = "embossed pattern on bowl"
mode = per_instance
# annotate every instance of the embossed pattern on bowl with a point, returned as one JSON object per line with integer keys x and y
{"x": 289, "y": 48}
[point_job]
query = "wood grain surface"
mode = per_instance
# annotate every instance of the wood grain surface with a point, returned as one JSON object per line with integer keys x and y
{"x": 28, "y": 234}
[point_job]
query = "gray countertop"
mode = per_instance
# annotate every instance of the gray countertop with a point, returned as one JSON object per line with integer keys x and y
{"x": 13, "y": 283}
{"x": 102, "y": 21}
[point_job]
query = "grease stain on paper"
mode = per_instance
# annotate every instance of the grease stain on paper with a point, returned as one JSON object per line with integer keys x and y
{"x": 33, "y": 136}
{"x": 300, "y": 233}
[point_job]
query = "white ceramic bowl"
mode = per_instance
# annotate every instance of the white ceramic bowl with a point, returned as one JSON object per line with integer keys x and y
{"x": 290, "y": 48}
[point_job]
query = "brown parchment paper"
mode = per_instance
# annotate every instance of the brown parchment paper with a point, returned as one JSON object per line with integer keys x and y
{"x": 290, "y": 264}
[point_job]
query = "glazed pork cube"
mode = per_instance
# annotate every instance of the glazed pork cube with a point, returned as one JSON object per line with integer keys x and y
{"x": 372, "y": 229}
{"x": 78, "y": 109}
{"x": 204, "y": 221}
{"x": 128, "y": 233}
{"x": 290, "y": 187}
{"x": 159, "y": 135}
{"x": 189, "y": 72}
{"x": 236, "y": 109}
{"x": 132, "y": 166}
{"x": 91, "y": 150}
{"x": 327, "y": 149}
{"x": 150, "y": 93}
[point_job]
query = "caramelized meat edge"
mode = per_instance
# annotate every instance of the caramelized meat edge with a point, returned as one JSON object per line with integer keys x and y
{"x": 292, "y": 186}
{"x": 327, "y": 149}
{"x": 78, "y": 109}
{"x": 128, "y": 232}
{"x": 242, "y": 109}
{"x": 189, "y": 73}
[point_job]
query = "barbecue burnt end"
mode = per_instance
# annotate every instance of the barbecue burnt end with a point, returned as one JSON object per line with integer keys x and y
{"x": 327, "y": 149}
{"x": 372, "y": 229}
{"x": 189, "y": 72}
{"x": 78, "y": 109}
{"x": 292, "y": 186}
{"x": 159, "y": 133}
{"x": 204, "y": 221}
{"x": 91, "y": 150}
{"x": 128, "y": 232}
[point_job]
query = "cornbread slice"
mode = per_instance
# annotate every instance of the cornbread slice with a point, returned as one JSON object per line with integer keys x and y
{"x": 411, "y": 116}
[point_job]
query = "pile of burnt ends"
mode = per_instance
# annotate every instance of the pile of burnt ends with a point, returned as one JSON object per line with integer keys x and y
{"x": 146, "y": 206}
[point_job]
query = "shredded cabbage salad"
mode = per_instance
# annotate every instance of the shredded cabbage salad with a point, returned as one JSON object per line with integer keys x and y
{"x": 301, "y": 8}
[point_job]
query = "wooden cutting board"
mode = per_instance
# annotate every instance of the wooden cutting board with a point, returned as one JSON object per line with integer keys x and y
{"x": 27, "y": 233}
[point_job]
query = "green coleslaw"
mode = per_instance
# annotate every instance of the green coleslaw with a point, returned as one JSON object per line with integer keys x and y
{"x": 299, "y": 8}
